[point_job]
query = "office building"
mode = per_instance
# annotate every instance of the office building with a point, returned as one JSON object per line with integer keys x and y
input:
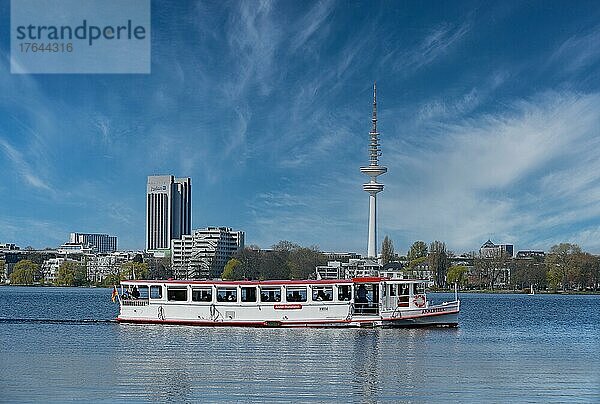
{"x": 168, "y": 210}
{"x": 204, "y": 253}
{"x": 99, "y": 243}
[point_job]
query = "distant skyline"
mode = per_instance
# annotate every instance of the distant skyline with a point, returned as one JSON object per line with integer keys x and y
{"x": 488, "y": 115}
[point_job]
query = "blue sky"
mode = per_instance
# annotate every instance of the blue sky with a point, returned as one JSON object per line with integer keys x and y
{"x": 488, "y": 112}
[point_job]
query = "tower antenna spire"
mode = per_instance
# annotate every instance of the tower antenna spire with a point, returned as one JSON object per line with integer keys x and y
{"x": 373, "y": 187}
{"x": 374, "y": 119}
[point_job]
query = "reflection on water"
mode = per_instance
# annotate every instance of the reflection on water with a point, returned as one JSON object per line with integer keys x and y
{"x": 507, "y": 347}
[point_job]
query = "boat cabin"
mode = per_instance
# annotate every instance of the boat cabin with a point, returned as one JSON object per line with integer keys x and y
{"x": 369, "y": 295}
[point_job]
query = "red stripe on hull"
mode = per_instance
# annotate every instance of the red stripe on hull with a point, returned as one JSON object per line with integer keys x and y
{"x": 276, "y": 323}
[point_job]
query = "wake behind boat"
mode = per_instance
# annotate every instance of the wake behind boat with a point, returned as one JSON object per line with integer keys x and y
{"x": 358, "y": 302}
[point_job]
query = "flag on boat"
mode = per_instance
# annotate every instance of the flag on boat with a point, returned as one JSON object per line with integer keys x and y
{"x": 114, "y": 295}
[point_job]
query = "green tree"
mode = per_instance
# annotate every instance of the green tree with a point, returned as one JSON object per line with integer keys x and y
{"x": 274, "y": 265}
{"x": 159, "y": 268}
{"x": 72, "y": 273}
{"x": 302, "y": 262}
{"x": 285, "y": 246}
{"x": 25, "y": 272}
{"x": 230, "y": 273}
{"x": 134, "y": 270}
{"x": 417, "y": 268}
{"x": 438, "y": 262}
{"x": 418, "y": 249}
{"x": 562, "y": 265}
{"x": 250, "y": 259}
{"x": 111, "y": 279}
{"x": 387, "y": 250}
{"x": 457, "y": 274}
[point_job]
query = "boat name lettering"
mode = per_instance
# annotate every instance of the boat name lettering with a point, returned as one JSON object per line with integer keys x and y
{"x": 436, "y": 310}
{"x": 287, "y": 306}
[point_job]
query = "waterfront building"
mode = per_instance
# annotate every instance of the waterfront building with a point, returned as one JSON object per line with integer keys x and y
{"x": 75, "y": 248}
{"x": 99, "y": 266}
{"x": 51, "y": 266}
{"x": 333, "y": 270}
{"x": 373, "y": 170}
{"x": 341, "y": 256}
{"x": 531, "y": 254}
{"x": 168, "y": 210}
{"x": 99, "y": 243}
{"x": 491, "y": 250}
{"x": 204, "y": 253}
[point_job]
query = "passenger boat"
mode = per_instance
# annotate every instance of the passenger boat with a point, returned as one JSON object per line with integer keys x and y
{"x": 358, "y": 302}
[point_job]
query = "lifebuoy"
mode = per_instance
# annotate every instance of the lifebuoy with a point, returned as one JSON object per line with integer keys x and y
{"x": 419, "y": 301}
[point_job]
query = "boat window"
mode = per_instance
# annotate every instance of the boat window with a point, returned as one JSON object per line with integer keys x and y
{"x": 404, "y": 288}
{"x": 270, "y": 294}
{"x": 344, "y": 293}
{"x": 177, "y": 294}
{"x": 202, "y": 294}
{"x": 322, "y": 293}
{"x": 249, "y": 294}
{"x": 420, "y": 288}
{"x": 155, "y": 292}
{"x": 296, "y": 293}
{"x": 142, "y": 292}
{"x": 226, "y": 294}
{"x": 393, "y": 289}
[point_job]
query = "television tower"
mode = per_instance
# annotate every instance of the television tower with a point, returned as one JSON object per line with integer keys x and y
{"x": 373, "y": 187}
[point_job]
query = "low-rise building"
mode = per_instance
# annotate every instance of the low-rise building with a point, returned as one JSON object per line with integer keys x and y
{"x": 99, "y": 266}
{"x": 491, "y": 250}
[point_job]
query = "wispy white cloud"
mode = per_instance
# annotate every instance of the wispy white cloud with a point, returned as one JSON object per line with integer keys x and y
{"x": 437, "y": 42}
{"x": 310, "y": 23}
{"x": 253, "y": 38}
{"x": 578, "y": 51}
{"x": 474, "y": 178}
{"x": 22, "y": 167}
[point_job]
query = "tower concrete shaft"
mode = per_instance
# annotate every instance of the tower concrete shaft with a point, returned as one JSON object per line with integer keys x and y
{"x": 373, "y": 187}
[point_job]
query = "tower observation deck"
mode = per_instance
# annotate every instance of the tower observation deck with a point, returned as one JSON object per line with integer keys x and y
{"x": 373, "y": 170}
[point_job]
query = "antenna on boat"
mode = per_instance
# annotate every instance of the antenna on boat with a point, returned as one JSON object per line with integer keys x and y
{"x": 455, "y": 291}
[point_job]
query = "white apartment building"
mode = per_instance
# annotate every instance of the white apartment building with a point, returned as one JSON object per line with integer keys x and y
{"x": 204, "y": 253}
{"x": 100, "y": 266}
{"x": 50, "y": 268}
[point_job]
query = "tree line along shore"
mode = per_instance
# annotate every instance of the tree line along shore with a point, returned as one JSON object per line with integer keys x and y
{"x": 564, "y": 268}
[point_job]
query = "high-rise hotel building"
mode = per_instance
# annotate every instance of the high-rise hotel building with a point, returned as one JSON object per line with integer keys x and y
{"x": 99, "y": 243}
{"x": 168, "y": 210}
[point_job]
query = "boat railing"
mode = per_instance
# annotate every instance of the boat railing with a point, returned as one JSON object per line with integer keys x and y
{"x": 135, "y": 302}
{"x": 366, "y": 308}
{"x": 391, "y": 302}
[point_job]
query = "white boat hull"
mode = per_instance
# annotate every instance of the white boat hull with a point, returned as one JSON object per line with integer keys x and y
{"x": 287, "y": 315}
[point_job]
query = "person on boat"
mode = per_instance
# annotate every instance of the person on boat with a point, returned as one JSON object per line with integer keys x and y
{"x": 361, "y": 294}
{"x": 135, "y": 293}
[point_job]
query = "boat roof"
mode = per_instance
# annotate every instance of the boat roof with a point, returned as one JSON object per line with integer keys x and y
{"x": 268, "y": 282}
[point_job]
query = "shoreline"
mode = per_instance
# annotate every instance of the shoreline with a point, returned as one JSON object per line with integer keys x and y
{"x": 518, "y": 292}
{"x": 469, "y": 291}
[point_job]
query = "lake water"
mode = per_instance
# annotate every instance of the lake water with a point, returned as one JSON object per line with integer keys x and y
{"x": 542, "y": 348}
